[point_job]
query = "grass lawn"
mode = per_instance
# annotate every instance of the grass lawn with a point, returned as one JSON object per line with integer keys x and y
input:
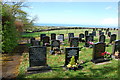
{"x": 90, "y": 70}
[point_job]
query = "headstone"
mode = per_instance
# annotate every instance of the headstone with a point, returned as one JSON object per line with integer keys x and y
{"x": 91, "y": 37}
{"x": 109, "y": 34}
{"x": 37, "y": 56}
{"x": 60, "y": 38}
{"x": 37, "y": 60}
{"x": 87, "y": 39}
{"x": 31, "y": 39}
{"x": 94, "y": 33}
{"x": 53, "y": 36}
{"x": 86, "y": 33}
{"x": 41, "y": 36}
{"x": 63, "y": 36}
{"x": 55, "y": 43}
{"x": 112, "y": 38}
{"x": 116, "y": 49}
{"x": 98, "y": 49}
{"x": 35, "y": 43}
{"x": 70, "y": 35}
{"x": 69, "y": 52}
{"x": 100, "y": 32}
{"x": 81, "y": 36}
{"x": 46, "y": 40}
{"x": 74, "y": 42}
{"x": 102, "y": 38}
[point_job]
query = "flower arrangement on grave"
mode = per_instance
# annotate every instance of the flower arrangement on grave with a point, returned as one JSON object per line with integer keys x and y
{"x": 106, "y": 55}
{"x": 72, "y": 65}
{"x": 46, "y": 44}
{"x": 91, "y": 43}
{"x": 117, "y": 54}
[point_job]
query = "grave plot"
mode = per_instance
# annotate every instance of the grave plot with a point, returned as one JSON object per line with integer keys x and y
{"x": 46, "y": 41}
{"x": 37, "y": 60}
{"x": 74, "y": 42}
{"x": 116, "y": 49}
{"x": 69, "y": 52}
{"x": 99, "y": 54}
{"x": 55, "y": 47}
{"x": 112, "y": 38}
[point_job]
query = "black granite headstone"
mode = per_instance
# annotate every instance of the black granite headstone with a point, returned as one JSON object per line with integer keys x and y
{"x": 53, "y": 36}
{"x": 112, "y": 38}
{"x": 86, "y": 33}
{"x": 46, "y": 40}
{"x": 70, "y": 35}
{"x": 98, "y": 49}
{"x": 35, "y": 43}
{"x": 94, "y": 33}
{"x": 102, "y": 38}
{"x": 41, "y": 36}
{"x": 87, "y": 39}
{"x": 55, "y": 43}
{"x": 109, "y": 34}
{"x": 116, "y": 47}
{"x": 81, "y": 36}
{"x": 37, "y": 56}
{"x": 74, "y": 42}
{"x": 31, "y": 39}
{"x": 69, "y": 52}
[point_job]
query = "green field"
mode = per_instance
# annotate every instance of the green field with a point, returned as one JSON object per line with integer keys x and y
{"x": 90, "y": 70}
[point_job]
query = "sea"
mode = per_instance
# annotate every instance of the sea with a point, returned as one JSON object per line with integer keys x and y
{"x": 74, "y": 25}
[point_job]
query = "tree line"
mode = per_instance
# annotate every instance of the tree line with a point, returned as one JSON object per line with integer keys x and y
{"x": 14, "y": 21}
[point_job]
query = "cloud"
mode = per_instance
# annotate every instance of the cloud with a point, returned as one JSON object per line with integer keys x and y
{"x": 109, "y": 7}
{"x": 110, "y": 21}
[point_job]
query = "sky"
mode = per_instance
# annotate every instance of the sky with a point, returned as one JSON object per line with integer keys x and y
{"x": 88, "y": 13}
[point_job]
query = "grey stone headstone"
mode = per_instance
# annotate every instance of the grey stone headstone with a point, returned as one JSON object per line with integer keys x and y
{"x": 69, "y": 52}
{"x": 60, "y": 37}
{"x": 37, "y": 56}
{"x": 112, "y": 38}
{"x": 63, "y": 36}
{"x": 74, "y": 42}
{"x": 102, "y": 38}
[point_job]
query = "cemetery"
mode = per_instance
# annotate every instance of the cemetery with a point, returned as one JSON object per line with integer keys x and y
{"x": 30, "y": 52}
{"x": 53, "y": 56}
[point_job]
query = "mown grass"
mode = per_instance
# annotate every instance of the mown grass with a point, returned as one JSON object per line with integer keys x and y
{"x": 90, "y": 70}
